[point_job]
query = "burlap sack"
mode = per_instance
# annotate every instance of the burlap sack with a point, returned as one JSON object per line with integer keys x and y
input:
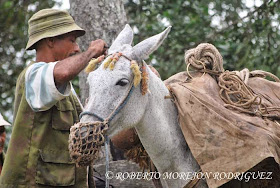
{"x": 221, "y": 139}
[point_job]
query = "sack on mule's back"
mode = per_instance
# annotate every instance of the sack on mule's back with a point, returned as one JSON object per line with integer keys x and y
{"x": 223, "y": 139}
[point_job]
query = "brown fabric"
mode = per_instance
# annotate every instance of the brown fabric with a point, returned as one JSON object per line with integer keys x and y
{"x": 267, "y": 165}
{"x": 126, "y": 139}
{"x": 221, "y": 139}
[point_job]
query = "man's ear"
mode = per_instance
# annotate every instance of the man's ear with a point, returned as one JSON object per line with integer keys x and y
{"x": 50, "y": 42}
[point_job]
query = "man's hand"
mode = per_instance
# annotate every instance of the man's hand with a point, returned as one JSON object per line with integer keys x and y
{"x": 70, "y": 67}
{"x": 97, "y": 48}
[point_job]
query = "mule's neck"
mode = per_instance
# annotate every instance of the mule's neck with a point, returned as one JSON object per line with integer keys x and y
{"x": 161, "y": 135}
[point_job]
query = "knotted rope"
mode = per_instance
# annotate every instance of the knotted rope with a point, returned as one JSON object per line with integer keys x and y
{"x": 236, "y": 94}
{"x": 205, "y": 57}
{"x": 234, "y": 90}
{"x": 85, "y": 141}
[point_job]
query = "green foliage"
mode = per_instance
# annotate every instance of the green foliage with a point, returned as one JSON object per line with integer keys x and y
{"x": 13, "y": 38}
{"x": 245, "y": 36}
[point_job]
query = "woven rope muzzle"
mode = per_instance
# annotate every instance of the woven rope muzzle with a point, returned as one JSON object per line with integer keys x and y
{"x": 85, "y": 141}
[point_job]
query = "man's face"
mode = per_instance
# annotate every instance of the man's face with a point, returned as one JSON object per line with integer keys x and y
{"x": 65, "y": 46}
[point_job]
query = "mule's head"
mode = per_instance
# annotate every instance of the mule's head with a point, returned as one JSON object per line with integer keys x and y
{"x": 109, "y": 86}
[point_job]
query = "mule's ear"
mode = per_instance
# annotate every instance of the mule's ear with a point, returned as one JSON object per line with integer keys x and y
{"x": 124, "y": 37}
{"x": 143, "y": 49}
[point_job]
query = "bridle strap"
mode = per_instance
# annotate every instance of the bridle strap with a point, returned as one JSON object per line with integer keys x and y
{"x": 91, "y": 114}
{"x": 121, "y": 105}
{"x": 115, "y": 111}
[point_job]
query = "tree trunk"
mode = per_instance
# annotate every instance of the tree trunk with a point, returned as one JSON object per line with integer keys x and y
{"x": 102, "y": 19}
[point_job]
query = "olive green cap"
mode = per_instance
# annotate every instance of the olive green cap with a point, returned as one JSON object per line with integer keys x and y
{"x": 50, "y": 23}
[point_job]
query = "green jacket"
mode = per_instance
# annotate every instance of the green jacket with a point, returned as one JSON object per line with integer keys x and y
{"x": 38, "y": 154}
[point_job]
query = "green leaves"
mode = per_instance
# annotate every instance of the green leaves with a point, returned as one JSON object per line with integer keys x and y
{"x": 245, "y": 36}
{"x": 13, "y": 38}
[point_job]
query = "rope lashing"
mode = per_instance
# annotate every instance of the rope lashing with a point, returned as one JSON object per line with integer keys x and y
{"x": 188, "y": 72}
{"x": 236, "y": 94}
{"x": 234, "y": 90}
{"x": 263, "y": 74}
{"x": 245, "y": 74}
{"x": 205, "y": 55}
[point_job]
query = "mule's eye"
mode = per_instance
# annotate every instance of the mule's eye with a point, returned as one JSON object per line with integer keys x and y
{"x": 122, "y": 82}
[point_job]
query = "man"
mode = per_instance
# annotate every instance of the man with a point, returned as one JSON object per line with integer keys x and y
{"x": 46, "y": 106}
{"x": 2, "y": 139}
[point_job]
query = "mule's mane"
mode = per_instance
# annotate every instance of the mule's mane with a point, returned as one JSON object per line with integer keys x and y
{"x": 140, "y": 74}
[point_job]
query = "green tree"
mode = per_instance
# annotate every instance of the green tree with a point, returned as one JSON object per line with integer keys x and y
{"x": 13, "y": 38}
{"x": 246, "y": 36}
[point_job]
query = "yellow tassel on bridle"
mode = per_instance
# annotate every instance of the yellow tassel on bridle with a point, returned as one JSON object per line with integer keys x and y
{"x": 93, "y": 63}
{"x": 112, "y": 64}
{"x": 145, "y": 78}
{"x": 111, "y": 61}
{"x": 136, "y": 71}
{"x": 107, "y": 62}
